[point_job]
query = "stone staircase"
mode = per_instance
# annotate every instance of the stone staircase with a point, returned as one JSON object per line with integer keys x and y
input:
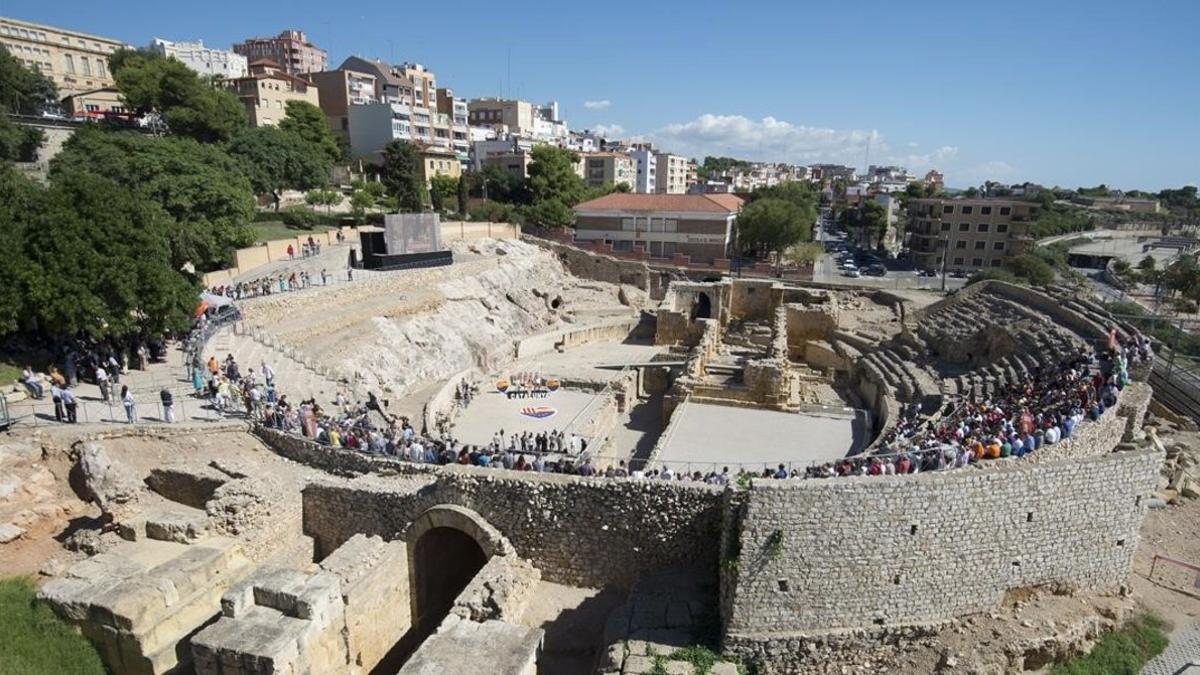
{"x": 295, "y": 374}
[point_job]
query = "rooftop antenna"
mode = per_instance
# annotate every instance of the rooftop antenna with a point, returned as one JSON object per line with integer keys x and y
{"x": 508, "y": 70}
{"x": 867, "y": 157}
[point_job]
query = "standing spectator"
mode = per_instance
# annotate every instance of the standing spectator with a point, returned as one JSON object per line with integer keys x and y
{"x": 56, "y": 397}
{"x": 291, "y": 252}
{"x": 68, "y": 401}
{"x": 127, "y": 401}
{"x": 168, "y": 404}
{"x": 102, "y": 383}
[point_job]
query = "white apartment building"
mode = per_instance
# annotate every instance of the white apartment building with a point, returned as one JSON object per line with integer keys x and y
{"x": 374, "y": 125}
{"x": 206, "y": 61}
{"x": 672, "y": 178}
{"x": 646, "y": 165}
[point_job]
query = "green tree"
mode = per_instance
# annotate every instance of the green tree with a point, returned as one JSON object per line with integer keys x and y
{"x": 308, "y": 122}
{"x": 971, "y": 192}
{"x": 18, "y": 143}
{"x": 443, "y": 190}
{"x": 497, "y": 184}
{"x": 773, "y": 225}
{"x": 552, "y": 177}
{"x": 24, "y": 91}
{"x": 548, "y": 213}
{"x": 275, "y": 160}
{"x": 200, "y": 187}
{"x": 873, "y": 217}
{"x": 460, "y": 193}
{"x": 401, "y": 174}
{"x": 323, "y": 197}
{"x": 20, "y": 198}
{"x": 1031, "y": 268}
{"x": 189, "y": 105}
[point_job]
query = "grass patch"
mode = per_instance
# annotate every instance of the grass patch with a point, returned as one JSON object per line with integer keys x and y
{"x": 8, "y": 372}
{"x": 1121, "y": 652}
{"x": 270, "y": 230}
{"x": 34, "y": 641}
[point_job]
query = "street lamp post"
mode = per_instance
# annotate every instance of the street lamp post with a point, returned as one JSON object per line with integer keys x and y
{"x": 946, "y": 254}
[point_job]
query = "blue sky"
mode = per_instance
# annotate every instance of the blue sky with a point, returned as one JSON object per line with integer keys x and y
{"x": 1066, "y": 92}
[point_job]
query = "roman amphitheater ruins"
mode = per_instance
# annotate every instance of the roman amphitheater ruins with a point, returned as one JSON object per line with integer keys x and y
{"x": 771, "y": 469}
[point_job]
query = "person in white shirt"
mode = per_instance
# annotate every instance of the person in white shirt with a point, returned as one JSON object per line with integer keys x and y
{"x": 102, "y": 382}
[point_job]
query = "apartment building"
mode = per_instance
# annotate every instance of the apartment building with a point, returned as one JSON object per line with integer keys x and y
{"x": 266, "y": 90}
{"x": 934, "y": 180}
{"x": 339, "y": 89}
{"x": 75, "y": 62}
{"x": 519, "y": 118}
{"x": 662, "y": 225}
{"x": 645, "y": 162}
{"x": 96, "y": 104}
{"x": 608, "y": 167}
{"x": 206, "y": 61}
{"x": 374, "y": 125}
{"x": 291, "y": 50}
{"x": 672, "y": 174}
{"x": 977, "y": 233}
{"x": 460, "y": 127}
{"x": 428, "y": 125}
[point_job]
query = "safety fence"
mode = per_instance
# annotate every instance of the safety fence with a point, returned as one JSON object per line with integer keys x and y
{"x": 1175, "y": 574}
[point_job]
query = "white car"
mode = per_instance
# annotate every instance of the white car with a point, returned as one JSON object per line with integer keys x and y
{"x": 851, "y": 272}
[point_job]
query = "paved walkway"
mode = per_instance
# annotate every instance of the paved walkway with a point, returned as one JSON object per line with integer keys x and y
{"x": 1181, "y": 657}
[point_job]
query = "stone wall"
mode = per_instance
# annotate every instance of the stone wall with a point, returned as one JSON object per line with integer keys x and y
{"x": 820, "y": 555}
{"x": 578, "y": 531}
{"x": 751, "y": 300}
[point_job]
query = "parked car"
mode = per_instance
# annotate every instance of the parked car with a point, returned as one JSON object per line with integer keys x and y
{"x": 928, "y": 273}
{"x": 877, "y": 271}
{"x": 851, "y": 272}
{"x": 848, "y": 265}
{"x": 959, "y": 274}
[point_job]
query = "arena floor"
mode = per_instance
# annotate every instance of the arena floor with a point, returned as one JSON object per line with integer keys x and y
{"x": 707, "y": 434}
{"x": 491, "y": 411}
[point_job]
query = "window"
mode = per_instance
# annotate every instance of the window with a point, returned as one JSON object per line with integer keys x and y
{"x": 996, "y": 262}
{"x": 960, "y": 244}
{"x": 628, "y": 224}
{"x": 985, "y": 210}
{"x": 981, "y": 227}
{"x": 947, "y": 209}
{"x": 958, "y": 261}
{"x": 998, "y": 246}
{"x": 1002, "y": 227}
{"x": 966, "y": 210}
{"x": 100, "y": 69}
{"x": 964, "y": 227}
{"x": 977, "y": 262}
{"x": 980, "y": 245}
{"x": 87, "y": 66}
{"x": 69, "y": 63}
{"x": 1005, "y": 210}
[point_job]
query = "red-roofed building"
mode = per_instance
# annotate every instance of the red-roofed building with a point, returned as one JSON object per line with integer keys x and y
{"x": 663, "y": 225}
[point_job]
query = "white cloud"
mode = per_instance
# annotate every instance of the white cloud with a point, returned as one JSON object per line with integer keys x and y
{"x": 597, "y": 105}
{"x": 765, "y": 139}
{"x": 608, "y": 130}
{"x": 980, "y": 173}
{"x": 923, "y": 161}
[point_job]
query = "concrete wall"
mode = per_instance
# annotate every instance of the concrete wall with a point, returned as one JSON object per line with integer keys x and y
{"x": 546, "y": 342}
{"x": 827, "y": 554}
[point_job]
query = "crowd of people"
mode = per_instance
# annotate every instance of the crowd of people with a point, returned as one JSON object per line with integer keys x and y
{"x": 1020, "y": 418}
{"x": 268, "y": 285}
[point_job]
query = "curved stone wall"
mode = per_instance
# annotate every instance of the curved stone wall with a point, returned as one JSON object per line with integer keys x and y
{"x": 822, "y": 555}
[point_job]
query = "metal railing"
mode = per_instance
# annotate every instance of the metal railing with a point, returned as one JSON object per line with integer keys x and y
{"x": 1175, "y": 574}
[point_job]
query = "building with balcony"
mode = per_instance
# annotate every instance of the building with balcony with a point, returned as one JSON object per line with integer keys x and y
{"x": 662, "y": 225}
{"x": 374, "y": 125}
{"x": 460, "y": 126}
{"x": 206, "y": 61}
{"x": 290, "y": 49}
{"x": 267, "y": 90}
{"x": 645, "y": 162}
{"x": 608, "y": 167}
{"x": 340, "y": 89}
{"x": 967, "y": 234}
{"x": 75, "y": 62}
{"x": 672, "y": 174}
{"x": 519, "y": 118}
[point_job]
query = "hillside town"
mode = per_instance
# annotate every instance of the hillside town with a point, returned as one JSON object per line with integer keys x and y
{"x": 315, "y": 362}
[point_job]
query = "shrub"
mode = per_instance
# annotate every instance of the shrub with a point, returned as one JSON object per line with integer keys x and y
{"x": 36, "y": 642}
{"x": 299, "y": 217}
{"x": 495, "y": 212}
{"x": 1185, "y": 305}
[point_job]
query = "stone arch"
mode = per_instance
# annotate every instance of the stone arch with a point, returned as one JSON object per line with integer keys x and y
{"x": 447, "y": 546}
{"x": 702, "y": 307}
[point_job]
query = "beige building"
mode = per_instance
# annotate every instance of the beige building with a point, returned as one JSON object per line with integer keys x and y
{"x": 672, "y": 176}
{"x": 978, "y": 233}
{"x": 266, "y": 91}
{"x": 339, "y": 89}
{"x": 290, "y": 49}
{"x": 608, "y": 167}
{"x": 699, "y": 226}
{"x": 96, "y": 104}
{"x": 437, "y": 161}
{"x": 76, "y": 62}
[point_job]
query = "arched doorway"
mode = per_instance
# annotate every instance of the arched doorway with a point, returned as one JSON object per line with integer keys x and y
{"x": 702, "y": 308}
{"x": 444, "y": 561}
